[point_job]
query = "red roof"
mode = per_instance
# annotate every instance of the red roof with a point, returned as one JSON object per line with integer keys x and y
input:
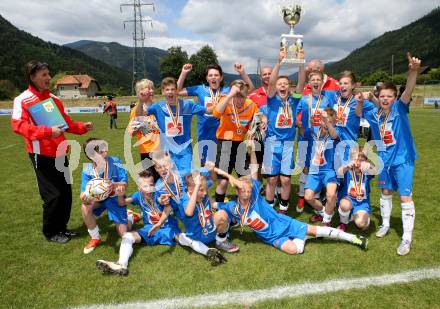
{"x": 83, "y": 80}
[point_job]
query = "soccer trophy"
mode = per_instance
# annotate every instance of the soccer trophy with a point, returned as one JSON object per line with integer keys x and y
{"x": 292, "y": 43}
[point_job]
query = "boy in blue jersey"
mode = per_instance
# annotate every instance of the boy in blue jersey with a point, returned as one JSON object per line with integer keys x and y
{"x": 355, "y": 201}
{"x": 278, "y": 161}
{"x": 157, "y": 229}
{"x": 309, "y": 111}
{"x": 278, "y": 230}
{"x": 174, "y": 118}
{"x": 109, "y": 168}
{"x": 208, "y": 96}
{"x": 198, "y": 214}
{"x": 390, "y": 125}
{"x": 321, "y": 172}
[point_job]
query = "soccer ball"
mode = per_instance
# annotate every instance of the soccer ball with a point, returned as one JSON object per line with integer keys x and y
{"x": 98, "y": 189}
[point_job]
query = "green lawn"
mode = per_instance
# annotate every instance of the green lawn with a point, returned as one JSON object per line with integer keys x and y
{"x": 40, "y": 274}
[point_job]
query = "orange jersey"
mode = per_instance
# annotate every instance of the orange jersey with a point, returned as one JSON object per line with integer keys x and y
{"x": 149, "y": 142}
{"x": 228, "y": 129}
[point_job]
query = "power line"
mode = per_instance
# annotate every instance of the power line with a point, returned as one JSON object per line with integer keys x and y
{"x": 139, "y": 69}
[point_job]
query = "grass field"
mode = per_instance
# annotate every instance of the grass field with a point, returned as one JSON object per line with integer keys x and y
{"x": 39, "y": 274}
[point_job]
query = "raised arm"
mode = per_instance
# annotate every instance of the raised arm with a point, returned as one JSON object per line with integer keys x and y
{"x": 301, "y": 79}
{"x": 187, "y": 67}
{"x": 414, "y": 66}
{"x": 359, "y": 104}
{"x": 189, "y": 209}
{"x": 240, "y": 69}
{"x": 271, "y": 88}
{"x": 221, "y": 106}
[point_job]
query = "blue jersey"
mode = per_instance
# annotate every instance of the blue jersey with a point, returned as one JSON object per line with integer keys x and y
{"x": 357, "y": 191}
{"x": 115, "y": 172}
{"x": 200, "y": 226}
{"x": 395, "y": 133}
{"x": 281, "y": 120}
{"x": 172, "y": 138}
{"x": 261, "y": 218}
{"x": 323, "y": 151}
{"x": 151, "y": 213}
{"x": 311, "y": 112}
{"x": 347, "y": 120}
{"x": 207, "y": 125}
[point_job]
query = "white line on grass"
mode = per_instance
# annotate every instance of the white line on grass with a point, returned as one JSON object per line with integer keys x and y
{"x": 279, "y": 292}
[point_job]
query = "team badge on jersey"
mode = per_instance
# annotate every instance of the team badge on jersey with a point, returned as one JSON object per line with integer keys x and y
{"x": 255, "y": 222}
{"x": 171, "y": 129}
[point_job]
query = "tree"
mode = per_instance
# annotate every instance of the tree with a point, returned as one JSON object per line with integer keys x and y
{"x": 7, "y": 90}
{"x": 377, "y": 76}
{"x": 171, "y": 64}
{"x": 205, "y": 56}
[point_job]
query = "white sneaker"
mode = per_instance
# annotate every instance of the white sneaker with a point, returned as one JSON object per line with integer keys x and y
{"x": 227, "y": 246}
{"x": 404, "y": 247}
{"x": 113, "y": 268}
{"x": 382, "y": 231}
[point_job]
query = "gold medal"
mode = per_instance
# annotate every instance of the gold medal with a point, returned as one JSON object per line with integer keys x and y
{"x": 319, "y": 156}
{"x": 286, "y": 113}
{"x": 214, "y": 98}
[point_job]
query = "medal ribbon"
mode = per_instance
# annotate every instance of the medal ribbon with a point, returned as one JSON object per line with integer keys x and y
{"x": 170, "y": 112}
{"x": 234, "y": 110}
{"x": 357, "y": 185}
{"x": 201, "y": 214}
{"x": 214, "y": 98}
{"x": 310, "y": 101}
{"x": 341, "y": 111}
{"x": 286, "y": 109}
{"x": 151, "y": 206}
{"x": 321, "y": 143}
{"x": 176, "y": 184}
{"x": 382, "y": 128}
{"x": 242, "y": 216}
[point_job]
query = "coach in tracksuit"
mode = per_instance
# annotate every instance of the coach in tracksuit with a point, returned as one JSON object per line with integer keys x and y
{"x": 42, "y": 145}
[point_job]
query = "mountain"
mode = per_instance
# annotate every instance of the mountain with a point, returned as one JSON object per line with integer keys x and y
{"x": 121, "y": 56}
{"x": 19, "y": 47}
{"x": 421, "y": 38}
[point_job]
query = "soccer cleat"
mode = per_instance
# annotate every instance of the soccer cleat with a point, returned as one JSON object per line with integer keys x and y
{"x": 360, "y": 241}
{"x": 342, "y": 227}
{"x": 382, "y": 231}
{"x": 91, "y": 245}
{"x": 215, "y": 257}
{"x": 404, "y": 247}
{"x": 113, "y": 268}
{"x": 283, "y": 212}
{"x": 300, "y": 205}
{"x": 227, "y": 246}
{"x": 316, "y": 218}
{"x": 70, "y": 233}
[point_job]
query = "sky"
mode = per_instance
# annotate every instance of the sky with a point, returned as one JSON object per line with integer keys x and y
{"x": 239, "y": 31}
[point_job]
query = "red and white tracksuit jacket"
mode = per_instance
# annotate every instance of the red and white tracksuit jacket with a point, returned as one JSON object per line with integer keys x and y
{"x": 38, "y": 139}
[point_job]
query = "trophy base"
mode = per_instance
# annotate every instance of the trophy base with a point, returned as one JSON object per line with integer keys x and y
{"x": 293, "y": 61}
